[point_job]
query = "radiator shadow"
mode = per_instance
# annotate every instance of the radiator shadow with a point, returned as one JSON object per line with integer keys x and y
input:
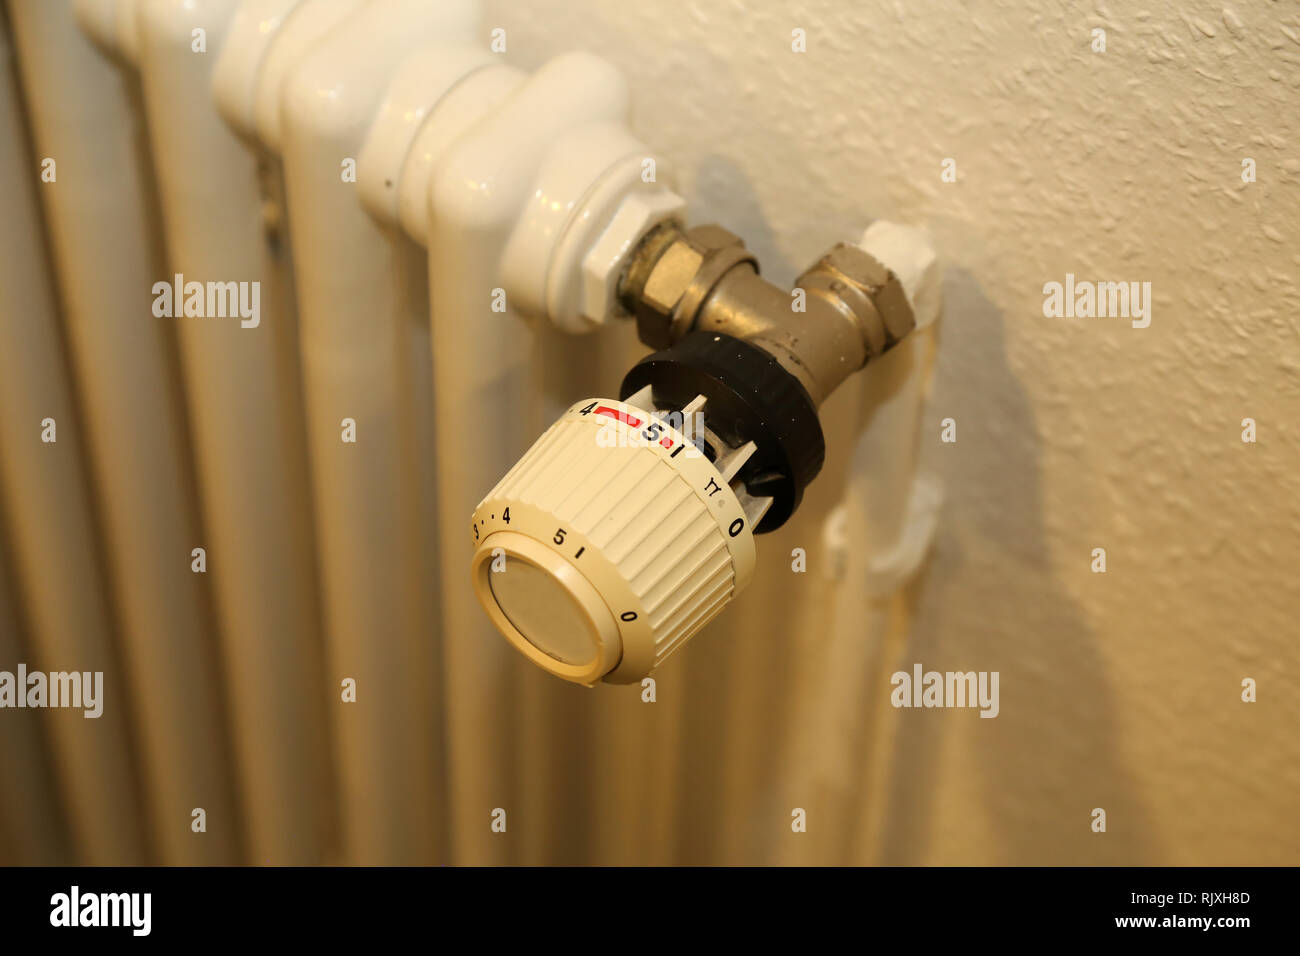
{"x": 1020, "y": 788}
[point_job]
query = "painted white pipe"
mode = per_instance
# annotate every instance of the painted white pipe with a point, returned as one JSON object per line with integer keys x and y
{"x": 242, "y": 382}
{"x": 106, "y": 256}
{"x": 31, "y": 827}
{"x": 48, "y": 513}
{"x": 112, "y": 26}
{"x": 268, "y": 38}
{"x": 432, "y": 99}
{"x": 892, "y": 504}
{"x": 362, "y": 298}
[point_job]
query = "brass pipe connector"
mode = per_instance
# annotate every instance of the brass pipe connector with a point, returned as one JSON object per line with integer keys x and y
{"x": 852, "y": 308}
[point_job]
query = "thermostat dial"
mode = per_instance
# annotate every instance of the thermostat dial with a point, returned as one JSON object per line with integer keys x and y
{"x": 611, "y": 542}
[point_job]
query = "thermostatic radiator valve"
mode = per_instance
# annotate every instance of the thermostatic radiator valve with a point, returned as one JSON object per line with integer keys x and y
{"x": 630, "y": 524}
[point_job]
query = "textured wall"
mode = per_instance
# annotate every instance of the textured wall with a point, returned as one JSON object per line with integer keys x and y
{"x": 1119, "y": 690}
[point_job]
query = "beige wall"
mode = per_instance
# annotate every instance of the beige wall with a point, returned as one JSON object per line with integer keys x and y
{"x": 1119, "y": 690}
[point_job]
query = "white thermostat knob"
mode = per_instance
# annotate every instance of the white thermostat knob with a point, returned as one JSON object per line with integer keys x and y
{"x": 611, "y": 542}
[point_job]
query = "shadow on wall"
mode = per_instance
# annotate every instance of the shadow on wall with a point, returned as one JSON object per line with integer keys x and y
{"x": 727, "y": 187}
{"x": 1052, "y": 753}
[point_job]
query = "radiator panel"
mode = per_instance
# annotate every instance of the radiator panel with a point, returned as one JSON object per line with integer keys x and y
{"x": 333, "y": 560}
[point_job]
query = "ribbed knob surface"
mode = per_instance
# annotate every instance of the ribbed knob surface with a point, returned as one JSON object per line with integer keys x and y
{"x": 609, "y": 544}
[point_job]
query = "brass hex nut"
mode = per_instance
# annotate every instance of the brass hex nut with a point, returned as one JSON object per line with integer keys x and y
{"x": 870, "y": 288}
{"x": 596, "y": 298}
{"x": 676, "y": 273}
{"x": 670, "y": 278}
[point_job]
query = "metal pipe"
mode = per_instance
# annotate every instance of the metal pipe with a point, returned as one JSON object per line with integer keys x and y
{"x": 845, "y": 310}
{"x": 84, "y": 117}
{"x": 361, "y": 291}
{"x": 48, "y": 511}
{"x": 242, "y": 384}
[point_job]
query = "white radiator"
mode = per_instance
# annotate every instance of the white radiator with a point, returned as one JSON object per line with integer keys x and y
{"x": 355, "y": 177}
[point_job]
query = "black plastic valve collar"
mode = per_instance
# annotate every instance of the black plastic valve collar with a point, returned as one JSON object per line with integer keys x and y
{"x": 751, "y": 397}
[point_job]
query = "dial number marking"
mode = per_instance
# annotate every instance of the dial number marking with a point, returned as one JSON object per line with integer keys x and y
{"x": 651, "y": 433}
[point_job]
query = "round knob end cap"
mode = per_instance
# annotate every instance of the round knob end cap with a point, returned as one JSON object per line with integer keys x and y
{"x": 545, "y": 607}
